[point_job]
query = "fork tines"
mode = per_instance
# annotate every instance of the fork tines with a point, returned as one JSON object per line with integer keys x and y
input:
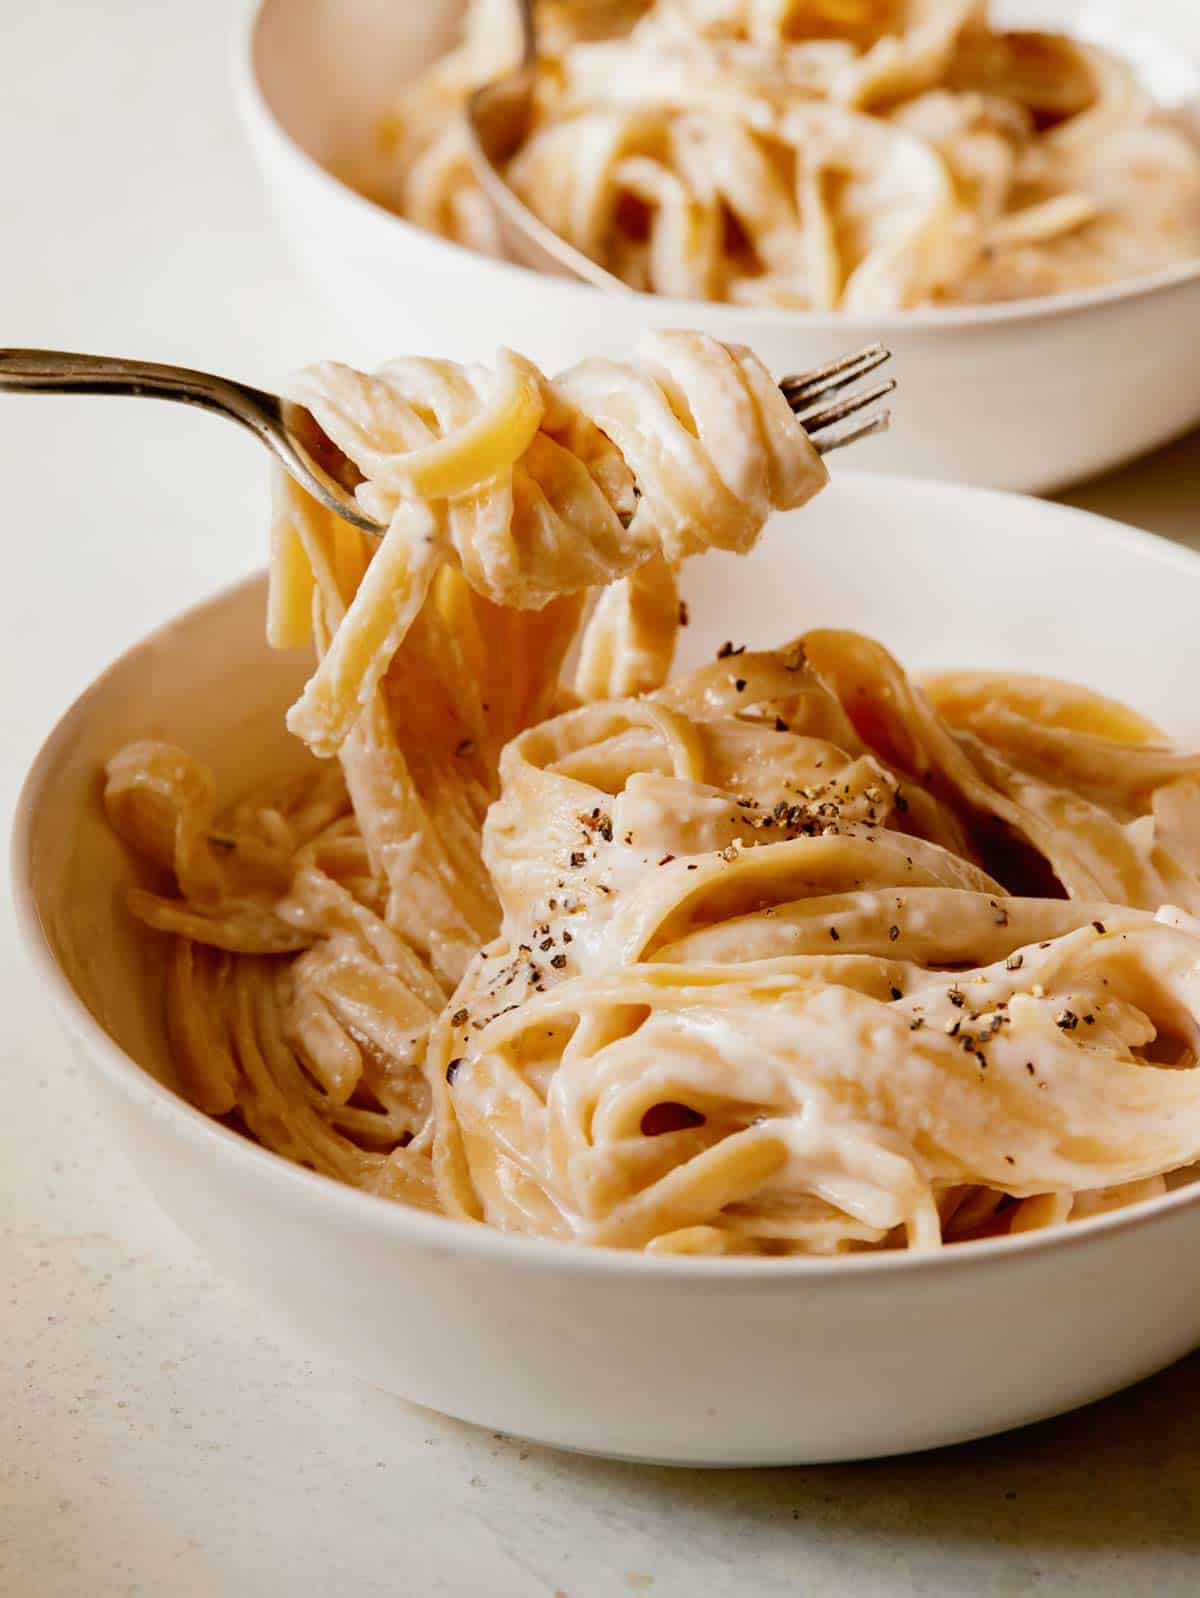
{"x": 806, "y": 392}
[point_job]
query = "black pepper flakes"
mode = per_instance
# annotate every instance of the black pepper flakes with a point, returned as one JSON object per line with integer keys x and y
{"x": 559, "y": 961}
{"x": 727, "y": 649}
{"x": 599, "y": 822}
{"x": 460, "y": 1018}
{"x": 781, "y": 725}
{"x": 684, "y": 613}
{"x": 1066, "y": 1020}
{"x": 893, "y": 933}
{"x": 740, "y": 684}
{"x": 916, "y": 1024}
{"x": 835, "y": 934}
{"x": 546, "y": 943}
{"x": 897, "y": 994}
{"x": 1014, "y": 962}
{"x": 666, "y": 859}
{"x": 464, "y": 747}
{"x": 566, "y": 937}
{"x": 957, "y": 997}
{"x": 1100, "y": 927}
{"x": 452, "y": 1068}
{"x": 578, "y": 857}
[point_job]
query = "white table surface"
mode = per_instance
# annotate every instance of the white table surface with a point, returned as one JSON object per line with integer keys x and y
{"x": 153, "y": 1437}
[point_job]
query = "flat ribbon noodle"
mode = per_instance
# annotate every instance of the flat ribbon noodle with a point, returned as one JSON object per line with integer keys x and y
{"x": 866, "y": 155}
{"x": 788, "y": 954}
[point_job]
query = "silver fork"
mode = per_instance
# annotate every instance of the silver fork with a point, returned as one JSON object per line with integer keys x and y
{"x": 297, "y": 440}
{"x": 497, "y": 120}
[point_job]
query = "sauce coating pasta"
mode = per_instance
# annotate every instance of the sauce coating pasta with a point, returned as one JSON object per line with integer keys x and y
{"x": 789, "y": 954}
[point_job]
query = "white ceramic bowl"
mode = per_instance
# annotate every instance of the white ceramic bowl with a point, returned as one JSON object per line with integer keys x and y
{"x": 688, "y": 1361}
{"x": 1029, "y": 395}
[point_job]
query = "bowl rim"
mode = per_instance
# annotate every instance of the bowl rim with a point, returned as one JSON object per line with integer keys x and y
{"x": 259, "y": 121}
{"x": 403, "y": 1223}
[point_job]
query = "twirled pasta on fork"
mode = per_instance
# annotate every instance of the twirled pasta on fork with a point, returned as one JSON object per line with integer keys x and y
{"x": 787, "y": 955}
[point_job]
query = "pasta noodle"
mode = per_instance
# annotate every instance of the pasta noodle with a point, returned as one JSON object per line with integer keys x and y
{"x": 863, "y": 155}
{"x": 790, "y": 954}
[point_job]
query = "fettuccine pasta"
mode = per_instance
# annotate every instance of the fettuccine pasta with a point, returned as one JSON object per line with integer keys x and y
{"x": 787, "y": 955}
{"x": 864, "y": 155}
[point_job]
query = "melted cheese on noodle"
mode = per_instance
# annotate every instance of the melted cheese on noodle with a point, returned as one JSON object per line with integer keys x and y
{"x": 790, "y": 954}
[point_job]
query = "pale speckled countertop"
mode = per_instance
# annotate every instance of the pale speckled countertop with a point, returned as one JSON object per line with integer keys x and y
{"x": 154, "y": 1438}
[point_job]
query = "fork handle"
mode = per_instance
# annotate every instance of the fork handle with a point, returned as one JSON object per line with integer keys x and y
{"x": 62, "y": 372}
{"x": 289, "y": 430}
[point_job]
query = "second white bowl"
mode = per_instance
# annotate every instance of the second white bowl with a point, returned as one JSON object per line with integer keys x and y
{"x": 1029, "y": 395}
